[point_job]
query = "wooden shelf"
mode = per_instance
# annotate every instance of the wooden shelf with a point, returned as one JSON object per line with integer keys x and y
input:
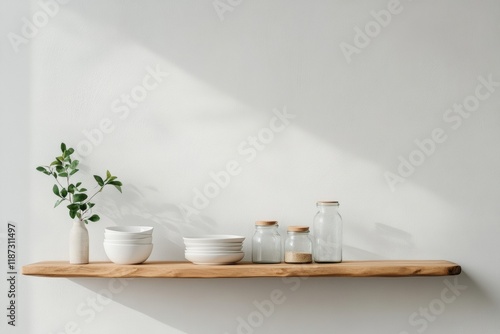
{"x": 389, "y": 268}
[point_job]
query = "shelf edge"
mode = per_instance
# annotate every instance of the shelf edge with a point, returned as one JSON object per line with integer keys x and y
{"x": 386, "y": 268}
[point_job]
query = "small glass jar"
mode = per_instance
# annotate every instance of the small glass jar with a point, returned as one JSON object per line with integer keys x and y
{"x": 298, "y": 245}
{"x": 266, "y": 243}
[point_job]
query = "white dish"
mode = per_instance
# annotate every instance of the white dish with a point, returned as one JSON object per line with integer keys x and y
{"x": 128, "y": 254}
{"x": 126, "y": 236}
{"x": 129, "y": 229}
{"x": 217, "y": 238}
{"x": 190, "y": 251}
{"x": 215, "y": 248}
{"x": 212, "y": 244}
{"x": 143, "y": 241}
{"x": 214, "y": 259}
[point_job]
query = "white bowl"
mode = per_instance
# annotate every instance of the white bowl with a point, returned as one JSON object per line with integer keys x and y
{"x": 125, "y": 236}
{"x": 143, "y": 241}
{"x": 128, "y": 254}
{"x": 213, "y": 259}
{"x": 210, "y": 239}
{"x": 129, "y": 229}
{"x": 214, "y": 248}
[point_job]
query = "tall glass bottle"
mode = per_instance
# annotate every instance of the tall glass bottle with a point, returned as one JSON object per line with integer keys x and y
{"x": 327, "y": 231}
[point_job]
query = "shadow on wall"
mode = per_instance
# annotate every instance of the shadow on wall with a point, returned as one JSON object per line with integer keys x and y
{"x": 137, "y": 206}
{"x": 199, "y": 306}
{"x": 275, "y": 60}
{"x": 281, "y": 59}
{"x": 143, "y": 206}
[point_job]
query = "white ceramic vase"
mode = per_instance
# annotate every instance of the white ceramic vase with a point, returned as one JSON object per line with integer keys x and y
{"x": 79, "y": 243}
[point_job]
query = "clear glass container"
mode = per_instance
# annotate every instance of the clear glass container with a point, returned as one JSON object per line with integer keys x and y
{"x": 266, "y": 243}
{"x": 327, "y": 233}
{"x": 298, "y": 245}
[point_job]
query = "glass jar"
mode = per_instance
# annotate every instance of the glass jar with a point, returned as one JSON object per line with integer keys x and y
{"x": 266, "y": 243}
{"x": 327, "y": 232}
{"x": 298, "y": 245}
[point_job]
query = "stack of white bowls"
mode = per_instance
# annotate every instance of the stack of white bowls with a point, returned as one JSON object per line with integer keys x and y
{"x": 128, "y": 244}
{"x": 214, "y": 249}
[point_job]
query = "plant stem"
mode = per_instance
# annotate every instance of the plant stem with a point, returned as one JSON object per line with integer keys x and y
{"x": 69, "y": 194}
{"x": 57, "y": 179}
{"x": 88, "y": 200}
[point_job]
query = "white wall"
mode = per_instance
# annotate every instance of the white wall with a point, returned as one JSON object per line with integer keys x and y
{"x": 352, "y": 121}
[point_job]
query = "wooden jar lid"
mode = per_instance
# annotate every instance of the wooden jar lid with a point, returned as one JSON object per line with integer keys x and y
{"x": 266, "y": 223}
{"x": 298, "y": 229}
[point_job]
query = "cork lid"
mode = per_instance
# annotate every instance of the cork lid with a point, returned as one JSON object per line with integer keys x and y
{"x": 328, "y": 203}
{"x": 266, "y": 222}
{"x": 298, "y": 229}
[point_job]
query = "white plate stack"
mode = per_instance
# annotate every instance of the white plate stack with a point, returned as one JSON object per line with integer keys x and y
{"x": 128, "y": 244}
{"x": 214, "y": 249}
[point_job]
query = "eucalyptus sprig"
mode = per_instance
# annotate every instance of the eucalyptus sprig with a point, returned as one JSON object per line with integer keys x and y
{"x": 80, "y": 205}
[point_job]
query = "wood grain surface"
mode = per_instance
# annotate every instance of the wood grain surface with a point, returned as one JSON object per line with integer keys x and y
{"x": 386, "y": 268}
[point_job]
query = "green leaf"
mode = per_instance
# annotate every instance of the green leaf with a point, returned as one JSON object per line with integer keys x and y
{"x": 58, "y": 202}
{"x": 72, "y": 214}
{"x": 73, "y": 171}
{"x": 64, "y": 174}
{"x": 60, "y": 169}
{"x": 108, "y": 175}
{"x": 64, "y": 192}
{"x": 94, "y": 218}
{"x": 55, "y": 189}
{"x": 79, "y": 197}
{"x": 117, "y": 184}
{"x": 83, "y": 190}
{"x": 74, "y": 164}
{"x": 63, "y": 147}
{"x": 73, "y": 207}
{"x": 70, "y": 151}
{"x": 91, "y": 205}
{"x": 83, "y": 206}
{"x": 71, "y": 188}
{"x": 43, "y": 170}
{"x": 78, "y": 184}
{"x": 99, "y": 180}
{"x": 86, "y": 221}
